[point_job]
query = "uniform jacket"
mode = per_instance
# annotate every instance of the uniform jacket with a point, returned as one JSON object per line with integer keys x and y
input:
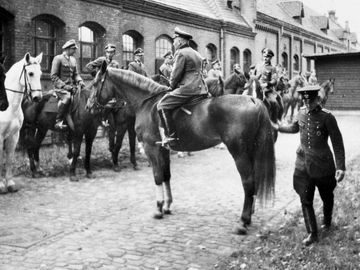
{"x": 214, "y": 73}
{"x": 64, "y": 71}
{"x": 266, "y": 73}
{"x": 186, "y": 77}
{"x": 93, "y": 66}
{"x": 138, "y": 67}
{"x": 165, "y": 70}
{"x": 314, "y": 155}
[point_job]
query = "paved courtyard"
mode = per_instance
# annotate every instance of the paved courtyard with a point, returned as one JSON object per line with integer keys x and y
{"x": 106, "y": 223}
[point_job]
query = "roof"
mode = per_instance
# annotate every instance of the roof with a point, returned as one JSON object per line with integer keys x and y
{"x": 335, "y": 54}
{"x": 215, "y": 9}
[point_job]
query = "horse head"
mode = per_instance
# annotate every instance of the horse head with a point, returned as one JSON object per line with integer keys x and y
{"x": 215, "y": 86}
{"x": 31, "y": 75}
{"x": 4, "y": 103}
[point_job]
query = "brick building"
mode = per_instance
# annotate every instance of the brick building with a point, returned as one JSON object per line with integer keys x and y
{"x": 234, "y": 31}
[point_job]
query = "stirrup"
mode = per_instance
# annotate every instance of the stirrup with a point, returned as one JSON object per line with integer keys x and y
{"x": 60, "y": 125}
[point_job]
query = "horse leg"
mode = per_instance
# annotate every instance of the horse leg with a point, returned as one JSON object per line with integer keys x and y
{"x": 89, "y": 139}
{"x": 3, "y": 188}
{"x": 77, "y": 146}
{"x": 132, "y": 143}
{"x": 159, "y": 159}
{"x": 10, "y": 145}
{"x": 70, "y": 154}
{"x": 39, "y": 137}
{"x": 120, "y": 132}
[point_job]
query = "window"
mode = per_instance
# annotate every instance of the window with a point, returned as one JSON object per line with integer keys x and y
{"x": 87, "y": 47}
{"x": 284, "y": 60}
{"x": 234, "y": 57}
{"x": 211, "y": 52}
{"x": 296, "y": 63}
{"x": 246, "y": 60}
{"x": 193, "y": 45}
{"x": 1, "y": 38}
{"x": 308, "y": 64}
{"x": 163, "y": 44}
{"x": 45, "y": 38}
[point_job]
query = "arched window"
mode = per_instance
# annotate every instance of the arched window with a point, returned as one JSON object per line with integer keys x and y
{"x": 163, "y": 44}
{"x": 211, "y": 52}
{"x": 234, "y": 57}
{"x": 131, "y": 40}
{"x": 246, "y": 60}
{"x": 193, "y": 45}
{"x": 285, "y": 61}
{"x": 296, "y": 63}
{"x": 47, "y": 30}
{"x": 91, "y": 43}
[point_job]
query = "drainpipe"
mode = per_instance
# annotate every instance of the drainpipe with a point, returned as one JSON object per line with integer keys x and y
{"x": 222, "y": 49}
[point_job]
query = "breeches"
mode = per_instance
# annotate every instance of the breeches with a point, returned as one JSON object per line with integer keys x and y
{"x": 305, "y": 185}
{"x": 63, "y": 96}
{"x": 172, "y": 101}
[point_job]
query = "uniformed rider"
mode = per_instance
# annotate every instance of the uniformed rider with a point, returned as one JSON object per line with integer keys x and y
{"x": 110, "y": 51}
{"x": 166, "y": 68}
{"x": 266, "y": 72}
{"x": 314, "y": 166}
{"x": 215, "y": 71}
{"x": 65, "y": 76}
{"x": 186, "y": 81}
{"x": 137, "y": 65}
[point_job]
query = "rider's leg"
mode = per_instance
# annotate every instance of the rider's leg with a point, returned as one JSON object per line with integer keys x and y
{"x": 63, "y": 108}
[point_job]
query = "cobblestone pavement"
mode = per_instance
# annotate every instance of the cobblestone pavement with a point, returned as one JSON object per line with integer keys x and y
{"x": 105, "y": 222}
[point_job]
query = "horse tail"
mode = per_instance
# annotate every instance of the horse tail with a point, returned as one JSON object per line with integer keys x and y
{"x": 264, "y": 157}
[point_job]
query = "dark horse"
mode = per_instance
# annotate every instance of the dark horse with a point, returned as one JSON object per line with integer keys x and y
{"x": 38, "y": 120}
{"x": 291, "y": 97}
{"x": 4, "y": 103}
{"x": 235, "y": 83}
{"x": 240, "y": 122}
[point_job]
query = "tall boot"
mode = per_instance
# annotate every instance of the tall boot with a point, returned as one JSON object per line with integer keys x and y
{"x": 327, "y": 210}
{"x": 60, "y": 116}
{"x": 311, "y": 226}
{"x": 168, "y": 124}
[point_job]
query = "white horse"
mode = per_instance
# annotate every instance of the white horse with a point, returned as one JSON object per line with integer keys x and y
{"x": 23, "y": 78}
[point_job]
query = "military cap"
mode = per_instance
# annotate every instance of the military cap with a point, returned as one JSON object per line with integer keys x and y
{"x": 267, "y": 52}
{"x": 217, "y": 61}
{"x": 309, "y": 91}
{"x": 70, "y": 44}
{"x": 110, "y": 48}
{"x": 168, "y": 53}
{"x": 181, "y": 33}
{"x": 139, "y": 51}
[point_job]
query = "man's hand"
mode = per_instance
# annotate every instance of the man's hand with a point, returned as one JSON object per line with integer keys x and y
{"x": 339, "y": 175}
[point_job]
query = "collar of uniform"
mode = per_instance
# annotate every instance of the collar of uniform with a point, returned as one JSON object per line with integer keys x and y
{"x": 138, "y": 61}
{"x": 184, "y": 46}
{"x": 315, "y": 110}
{"x": 67, "y": 57}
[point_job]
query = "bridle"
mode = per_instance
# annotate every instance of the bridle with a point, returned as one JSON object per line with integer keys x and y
{"x": 28, "y": 89}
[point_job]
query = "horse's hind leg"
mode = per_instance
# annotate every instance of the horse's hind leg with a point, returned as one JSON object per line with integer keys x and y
{"x": 10, "y": 145}
{"x": 89, "y": 139}
{"x": 245, "y": 168}
{"x": 39, "y": 137}
{"x": 132, "y": 142}
{"x": 159, "y": 159}
{"x": 77, "y": 146}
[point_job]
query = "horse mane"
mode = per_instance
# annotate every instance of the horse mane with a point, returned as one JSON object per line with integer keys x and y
{"x": 139, "y": 81}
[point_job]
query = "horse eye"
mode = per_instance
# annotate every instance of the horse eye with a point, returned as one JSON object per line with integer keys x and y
{"x": 31, "y": 73}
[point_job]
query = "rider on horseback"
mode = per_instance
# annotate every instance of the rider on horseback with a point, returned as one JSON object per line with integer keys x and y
{"x": 166, "y": 68}
{"x": 186, "y": 81}
{"x": 110, "y": 51}
{"x": 65, "y": 76}
{"x": 215, "y": 71}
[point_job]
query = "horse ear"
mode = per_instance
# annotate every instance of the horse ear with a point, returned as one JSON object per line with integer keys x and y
{"x": 103, "y": 67}
{"x": 39, "y": 58}
{"x": 27, "y": 58}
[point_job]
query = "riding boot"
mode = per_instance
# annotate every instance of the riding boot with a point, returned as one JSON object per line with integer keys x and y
{"x": 168, "y": 124}
{"x": 310, "y": 224}
{"x": 60, "y": 116}
{"x": 327, "y": 210}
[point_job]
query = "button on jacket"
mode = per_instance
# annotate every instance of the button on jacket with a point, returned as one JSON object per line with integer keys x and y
{"x": 186, "y": 77}
{"x": 64, "y": 71}
{"x": 314, "y": 155}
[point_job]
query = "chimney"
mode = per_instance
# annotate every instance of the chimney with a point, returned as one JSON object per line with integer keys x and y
{"x": 332, "y": 15}
{"x": 248, "y": 11}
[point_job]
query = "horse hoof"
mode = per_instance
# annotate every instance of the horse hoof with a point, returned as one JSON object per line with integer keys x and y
{"x": 12, "y": 188}
{"x": 3, "y": 190}
{"x": 167, "y": 211}
{"x": 90, "y": 176}
{"x": 240, "y": 230}
{"x": 74, "y": 178}
{"x": 136, "y": 168}
{"x": 116, "y": 168}
{"x": 158, "y": 215}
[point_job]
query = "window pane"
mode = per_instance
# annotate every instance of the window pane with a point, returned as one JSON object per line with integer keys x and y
{"x": 86, "y": 34}
{"x": 162, "y": 45}
{"x": 86, "y": 51}
{"x": 43, "y": 29}
{"x": 128, "y": 43}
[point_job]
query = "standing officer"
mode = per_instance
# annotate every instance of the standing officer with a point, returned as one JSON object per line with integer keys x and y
{"x": 110, "y": 51}
{"x": 215, "y": 71}
{"x": 314, "y": 166}
{"x": 137, "y": 65}
{"x": 266, "y": 72}
{"x": 65, "y": 76}
{"x": 186, "y": 81}
{"x": 166, "y": 68}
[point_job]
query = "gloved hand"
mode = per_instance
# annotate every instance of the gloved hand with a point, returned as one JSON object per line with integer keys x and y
{"x": 339, "y": 175}
{"x": 68, "y": 87}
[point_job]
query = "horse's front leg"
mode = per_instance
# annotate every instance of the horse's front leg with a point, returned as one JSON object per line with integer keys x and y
{"x": 10, "y": 145}
{"x": 159, "y": 159}
{"x": 77, "y": 145}
{"x": 132, "y": 142}
{"x": 89, "y": 139}
{"x": 39, "y": 137}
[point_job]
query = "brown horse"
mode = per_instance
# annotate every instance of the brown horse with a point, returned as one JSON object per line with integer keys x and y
{"x": 326, "y": 88}
{"x": 235, "y": 83}
{"x": 240, "y": 122}
{"x": 4, "y": 103}
{"x": 291, "y": 98}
